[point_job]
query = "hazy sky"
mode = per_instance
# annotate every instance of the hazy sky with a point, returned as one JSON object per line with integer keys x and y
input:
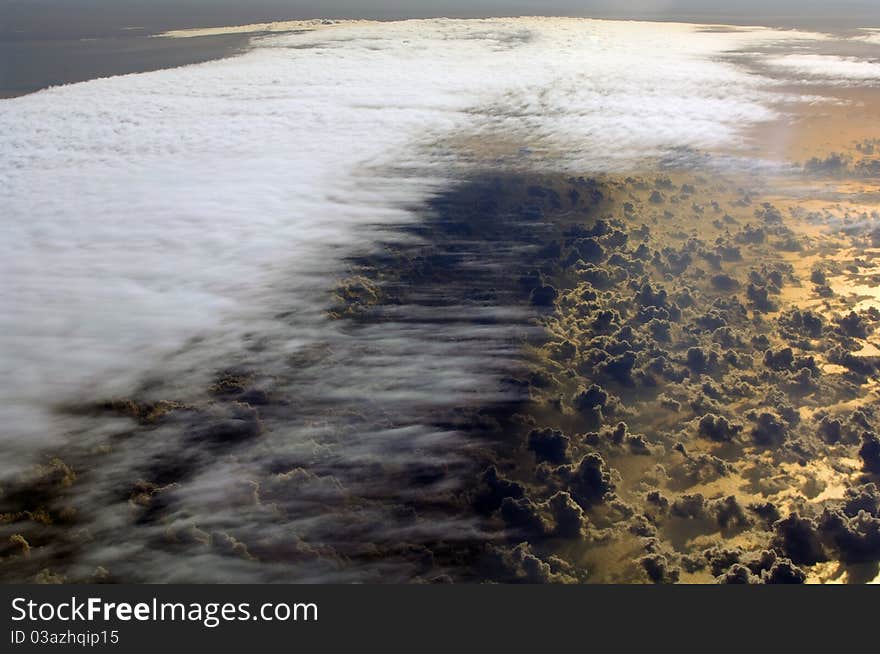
{"x": 81, "y": 16}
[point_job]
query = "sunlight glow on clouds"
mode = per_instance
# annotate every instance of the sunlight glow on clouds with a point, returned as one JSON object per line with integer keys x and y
{"x": 161, "y": 228}
{"x": 142, "y": 211}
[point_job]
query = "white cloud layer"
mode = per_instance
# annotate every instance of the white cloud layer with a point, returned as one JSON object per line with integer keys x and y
{"x": 872, "y": 35}
{"x": 829, "y": 67}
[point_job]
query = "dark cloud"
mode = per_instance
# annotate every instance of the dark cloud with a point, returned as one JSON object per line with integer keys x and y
{"x": 523, "y": 518}
{"x": 770, "y": 429}
{"x": 784, "y": 571}
{"x": 718, "y": 428}
{"x": 544, "y": 295}
{"x": 856, "y": 538}
{"x": 689, "y": 506}
{"x": 495, "y": 490}
{"x": 738, "y": 574}
{"x": 568, "y": 516}
{"x": 549, "y": 445}
{"x": 730, "y": 514}
{"x": 870, "y": 452}
{"x": 658, "y": 569}
{"x": 798, "y": 539}
{"x": 589, "y": 481}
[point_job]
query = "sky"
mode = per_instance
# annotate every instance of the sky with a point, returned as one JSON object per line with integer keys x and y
{"x": 159, "y": 227}
{"x": 61, "y": 17}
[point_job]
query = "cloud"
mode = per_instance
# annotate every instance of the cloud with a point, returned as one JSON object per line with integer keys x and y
{"x": 589, "y": 481}
{"x": 161, "y": 228}
{"x": 549, "y": 445}
{"x": 828, "y": 67}
{"x": 718, "y": 428}
{"x": 872, "y": 36}
{"x": 798, "y": 539}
